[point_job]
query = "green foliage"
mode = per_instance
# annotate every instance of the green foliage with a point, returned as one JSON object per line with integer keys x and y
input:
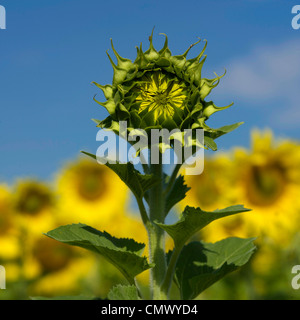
{"x": 138, "y": 183}
{"x": 80, "y": 297}
{"x": 194, "y": 219}
{"x": 201, "y": 264}
{"x": 125, "y": 254}
{"x": 120, "y": 292}
{"x": 176, "y": 194}
{"x": 211, "y": 135}
{"x": 137, "y": 96}
{"x": 196, "y": 266}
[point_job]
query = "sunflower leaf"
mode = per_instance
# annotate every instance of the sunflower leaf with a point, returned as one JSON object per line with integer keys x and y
{"x": 194, "y": 219}
{"x": 125, "y": 254}
{"x": 176, "y": 194}
{"x": 201, "y": 264}
{"x": 138, "y": 183}
{"x": 121, "y": 292}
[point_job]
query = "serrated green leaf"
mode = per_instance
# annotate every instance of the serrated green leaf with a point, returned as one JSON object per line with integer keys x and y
{"x": 194, "y": 219}
{"x": 201, "y": 264}
{"x": 138, "y": 183}
{"x": 121, "y": 292}
{"x": 125, "y": 254}
{"x": 176, "y": 194}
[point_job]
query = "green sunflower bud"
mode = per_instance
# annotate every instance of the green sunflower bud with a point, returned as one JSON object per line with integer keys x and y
{"x": 159, "y": 90}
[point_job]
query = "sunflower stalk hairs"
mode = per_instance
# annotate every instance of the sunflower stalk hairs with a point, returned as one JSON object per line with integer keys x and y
{"x": 155, "y": 92}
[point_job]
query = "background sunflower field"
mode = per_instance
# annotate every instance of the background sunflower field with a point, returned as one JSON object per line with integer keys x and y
{"x": 266, "y": 177}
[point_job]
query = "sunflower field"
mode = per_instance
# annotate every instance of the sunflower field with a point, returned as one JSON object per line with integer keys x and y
{"x": 265, "y": 177}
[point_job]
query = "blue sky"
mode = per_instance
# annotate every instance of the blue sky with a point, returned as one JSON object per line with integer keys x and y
{"x": 52, "y": 50}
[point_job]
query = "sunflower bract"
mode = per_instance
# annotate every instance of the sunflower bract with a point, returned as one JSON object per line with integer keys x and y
{"x": 159, "y": 90}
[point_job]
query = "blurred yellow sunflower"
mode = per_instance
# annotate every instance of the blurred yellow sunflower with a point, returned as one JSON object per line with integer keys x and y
{"x": 5, "y": 216}
{"x": 268, "y": 181}
{"x": 60, "y": 268}
{"x": 64, "y": 270}
{"x": 9, "y": 246}
{"x": 33, "y": 203}
{"x": 31, "y": 213}
{"x": 90, "y": 193}
{"x": 211, "y": 190}
{"x": 265, "y": 178}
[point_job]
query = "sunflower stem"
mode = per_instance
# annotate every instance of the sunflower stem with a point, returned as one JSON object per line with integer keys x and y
{"x": 166, "y": 285}
{"x": 157, "y": 235}
{"x": 143, "y": 212}
{"x": 172, "y": 179}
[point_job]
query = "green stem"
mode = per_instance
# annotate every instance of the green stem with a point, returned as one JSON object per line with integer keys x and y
{"x": 143, "y": 212}
{"x": 172, "y": 178}
{"x": 170, "y": 271}
{"x": 144, "y": 162}
{"x": 138, "y": 290}
{"x": 156, "y": 234}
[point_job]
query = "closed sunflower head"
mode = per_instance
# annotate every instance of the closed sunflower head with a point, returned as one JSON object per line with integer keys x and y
{"x": 161, "y": 90}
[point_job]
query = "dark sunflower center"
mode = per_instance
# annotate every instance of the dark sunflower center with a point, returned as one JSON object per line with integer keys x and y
{"x": 51, "y": 255}
{"x": 5, "y": 216}
{"x": 265, "y": 184}
{"x": 33, "y": 200}
{"x": 91, "y": 184}
{"x": 5, "y": 222}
